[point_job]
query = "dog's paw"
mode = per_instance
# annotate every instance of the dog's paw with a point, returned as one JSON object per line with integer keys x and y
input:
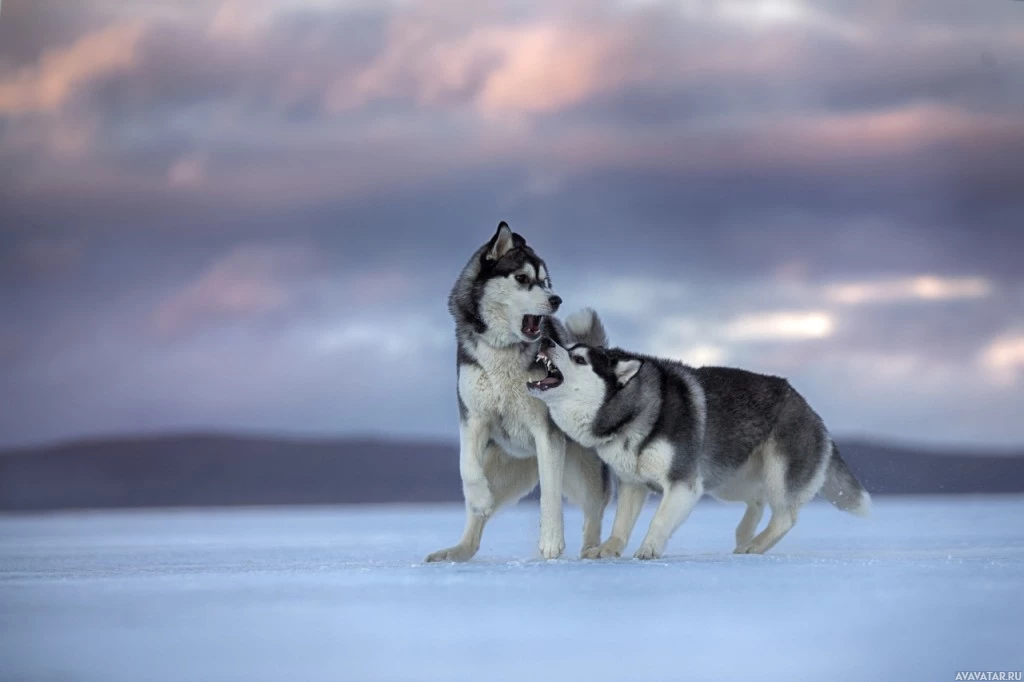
{"x": 479, "y": 499}
{"x": 647, "y": 552}
{"x": 551, "y": 547}
{"x": 456, "y": 553}
{"x": 749, "y": 548}
{"x": 609, "y": 549}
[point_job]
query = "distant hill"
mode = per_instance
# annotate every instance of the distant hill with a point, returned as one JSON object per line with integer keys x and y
{"x": 216, "y": 470}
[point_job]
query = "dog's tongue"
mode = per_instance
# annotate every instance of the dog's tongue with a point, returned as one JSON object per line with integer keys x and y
{"x": 545, "y": 383}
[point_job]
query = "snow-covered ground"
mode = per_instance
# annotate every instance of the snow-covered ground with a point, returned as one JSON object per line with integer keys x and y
{"x": 921, "y": 590}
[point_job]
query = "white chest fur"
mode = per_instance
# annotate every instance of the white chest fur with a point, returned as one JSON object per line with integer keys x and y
{"x": 651, "y": 465}
{"x": 495, "y": 391}
{"x": 575, "y": 409}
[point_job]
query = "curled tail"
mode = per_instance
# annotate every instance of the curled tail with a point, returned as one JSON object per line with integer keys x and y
{"x": 586, "y": 327}
{"x": 843, "y": 489}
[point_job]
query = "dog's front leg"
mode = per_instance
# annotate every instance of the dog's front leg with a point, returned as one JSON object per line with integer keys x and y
{"x": 627, "y": 509}
{"x": 473, "y": 436}
{"x": 677, "y": 502}
{"x": 550, "y": 467}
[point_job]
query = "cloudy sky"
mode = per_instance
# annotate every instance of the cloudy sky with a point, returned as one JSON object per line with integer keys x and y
{"x": 243, "y": 215}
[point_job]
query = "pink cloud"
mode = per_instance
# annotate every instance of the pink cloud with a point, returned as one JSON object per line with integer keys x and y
{"x": 47, "y": 85}
{"x": 451, "y": 56}
{"x": 797, "y": 141}
{"x": 548, "y": 67}
{"x": 479, "y": 71}
{"x": 188, "y": 171}
{"x": 251, "y": 281}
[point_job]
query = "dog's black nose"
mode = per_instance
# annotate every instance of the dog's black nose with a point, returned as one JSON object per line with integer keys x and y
{"x": 555, "y": 301}
{"x": 546, "y": 343}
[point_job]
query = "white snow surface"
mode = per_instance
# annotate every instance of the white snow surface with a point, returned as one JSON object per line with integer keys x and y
{"x": 922, "y": 589}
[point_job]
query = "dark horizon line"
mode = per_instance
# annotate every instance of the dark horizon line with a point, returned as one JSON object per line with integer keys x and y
{"x": 955, "y": 448}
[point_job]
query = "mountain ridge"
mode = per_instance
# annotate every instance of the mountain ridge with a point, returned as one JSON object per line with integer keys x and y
{"x": 211, "y": 468}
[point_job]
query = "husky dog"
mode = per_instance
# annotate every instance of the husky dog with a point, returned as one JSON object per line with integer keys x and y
{"x": 503, "y": 305}
{"x": 681, "y": 431}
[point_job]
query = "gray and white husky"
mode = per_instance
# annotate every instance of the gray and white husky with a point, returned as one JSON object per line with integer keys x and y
{"x": 503, "y": 305}
{"x": 665, "y": 426}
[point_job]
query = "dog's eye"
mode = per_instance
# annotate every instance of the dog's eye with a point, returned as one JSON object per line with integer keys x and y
{"x": 579, "y": 359}
{"x": 522, "y": 279}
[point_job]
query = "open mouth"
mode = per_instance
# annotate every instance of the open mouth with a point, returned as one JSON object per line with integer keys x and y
{"x": 531, "y": 326}
{"x": 554, "y": 377}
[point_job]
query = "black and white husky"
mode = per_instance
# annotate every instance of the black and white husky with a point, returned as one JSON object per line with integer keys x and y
{"x": 503, "y": 305}
{"x": 664, "y": 426}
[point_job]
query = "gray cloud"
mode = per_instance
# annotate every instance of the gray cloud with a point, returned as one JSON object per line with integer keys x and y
{"x": 745, "y": 166}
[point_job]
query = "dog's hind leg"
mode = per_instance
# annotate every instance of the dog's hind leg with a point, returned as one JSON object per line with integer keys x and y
{"x": 784, "y": 511}
{"x": 748, "y": 525}
{"x": 587, "y": 482}
{"x": 508, "y": 479}
{"x": 468, "y": 545}
{"x": 796, "y": 459}
{"x": 783, "y": 519}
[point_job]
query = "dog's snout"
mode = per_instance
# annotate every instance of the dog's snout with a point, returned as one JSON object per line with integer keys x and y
{"x": 546, "y": 343}
{"x": 555, "y": 301}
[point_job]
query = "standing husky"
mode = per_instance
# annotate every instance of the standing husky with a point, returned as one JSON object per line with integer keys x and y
{"x": 502, "y": 304}
{"x": 682, "y": 431}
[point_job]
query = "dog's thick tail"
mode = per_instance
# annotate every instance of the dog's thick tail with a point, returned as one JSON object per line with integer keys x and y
{"x": 842, "y": 488}
{"x": 586, "y": 327}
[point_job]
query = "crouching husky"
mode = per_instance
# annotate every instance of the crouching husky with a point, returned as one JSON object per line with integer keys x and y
{"x": 503, "y": 305}
{"x": 681, "y": 431}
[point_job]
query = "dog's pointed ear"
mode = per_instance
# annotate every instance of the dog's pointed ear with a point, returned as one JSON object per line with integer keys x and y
{"x": 502, "y": 242}
{"x": 626, "y": 370}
